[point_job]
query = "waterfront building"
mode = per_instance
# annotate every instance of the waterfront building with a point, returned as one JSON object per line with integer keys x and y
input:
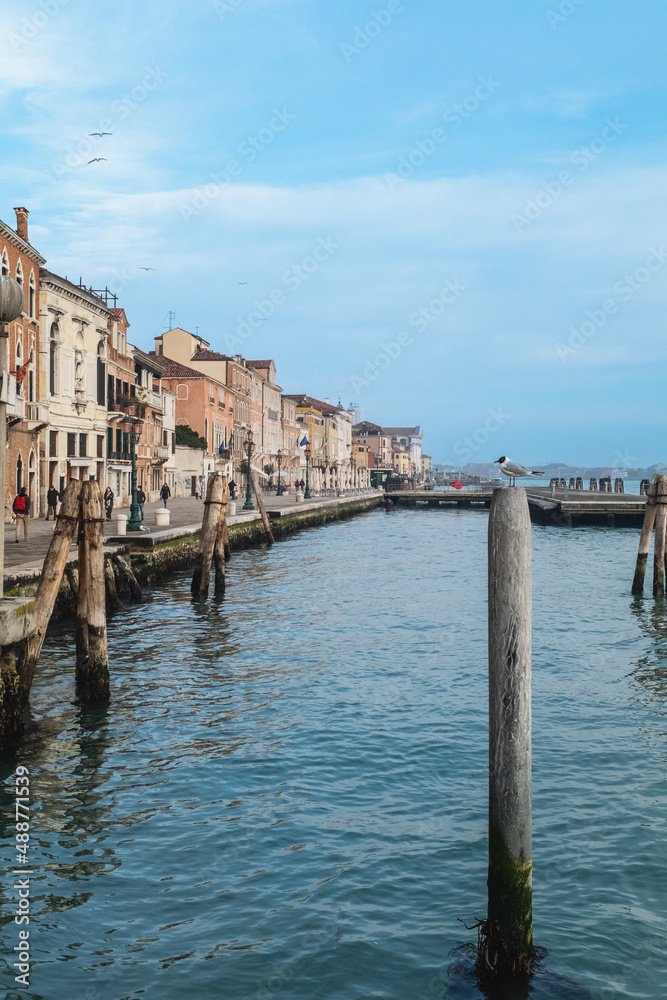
{"x": 291, "y": 467}
{"x": 120, "y": 392}
{"x": 76, "y": 324}
{"x": 202, "y": 403}
{"x": 400, "y": 461}
{"x": 410, "y": 438}
{"x": 153, "y": 447}
{"x": 329, "y": 432}
{"x": 271, "y": 437}
{"x": 376, "y": 441}
{"x": 26, "y": 414}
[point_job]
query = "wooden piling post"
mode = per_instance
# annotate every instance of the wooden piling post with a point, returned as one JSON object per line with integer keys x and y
{"x": 125, "y": 579}
{"x": 209, "y": 531}
{"x": 49, "y": 585}
{"x": 506, "y": 938}
{"x": 660, "y": 538}
{"x": 221, "y": 543}
{"x": 593, "y": 486}
{"x": 113, "y": 601}
{"x": 262, "y": 508}
{"x": 579, "y": 484}
{"x": 92, "y": 660}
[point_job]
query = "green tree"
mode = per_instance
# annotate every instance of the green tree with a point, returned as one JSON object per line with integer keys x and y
{"x": 186, "y": 436}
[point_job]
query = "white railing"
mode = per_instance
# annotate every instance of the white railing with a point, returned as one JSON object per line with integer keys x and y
{"x": 18, "y": 408}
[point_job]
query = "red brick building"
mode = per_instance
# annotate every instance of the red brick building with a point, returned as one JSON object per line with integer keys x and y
{"x": 21, "y": 261}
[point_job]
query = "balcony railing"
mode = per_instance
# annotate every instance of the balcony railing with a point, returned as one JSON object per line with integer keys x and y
{"x": 160, "y": 452}
{"x": 123, "y": 456}
{"x": 19, "y": 407}
{"x": 38, "y": 411}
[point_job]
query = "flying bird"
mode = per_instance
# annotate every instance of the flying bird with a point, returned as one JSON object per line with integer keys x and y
{"x": 513, "y": 469}
{"x": 100, "y": 133}
{"x": 146, "y": 268}
{"x": 242, "y": 282}
{"x": 97, "y": 159}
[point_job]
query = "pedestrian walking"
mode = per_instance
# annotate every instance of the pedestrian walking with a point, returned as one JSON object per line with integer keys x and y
{"x": 141, "y": 500}
{"x": 21, "y": 508}
{"x": 165, "y": 493}
{"x": 302, "y": 484}
{"x": 108, "y": 501}
{"x": 232, "y": 490}
{"x": 52, "y": 498}
{"x": 297, "y": 484}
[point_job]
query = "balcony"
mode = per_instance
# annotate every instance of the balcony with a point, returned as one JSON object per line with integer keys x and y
{"x": 160, "y": 452}
{"x": 39, "y": 412}
{"x": 17, "y": 410}
{"x": 119, "y": 456}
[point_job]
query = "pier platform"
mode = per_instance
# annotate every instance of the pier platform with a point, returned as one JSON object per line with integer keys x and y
{"x": 563, "y": 507}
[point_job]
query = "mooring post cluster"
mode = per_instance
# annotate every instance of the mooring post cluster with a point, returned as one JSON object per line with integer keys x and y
{"x": 655, "y": 515}
{"x": 212, "y": 538}
{"x": 506, "y": 936}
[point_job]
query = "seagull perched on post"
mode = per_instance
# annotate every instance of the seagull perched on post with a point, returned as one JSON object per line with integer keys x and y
{"x": 513, "y": 469}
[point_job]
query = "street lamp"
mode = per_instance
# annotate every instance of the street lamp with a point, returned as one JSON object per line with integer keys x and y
{"x": 248, "y": 447}
{"x": 306, "y": 495}
{"x": 11, "y": 307}
{"x": 279, "y": 460}
{"x": 353, "y": 466}
{"x": 134, "y": 429}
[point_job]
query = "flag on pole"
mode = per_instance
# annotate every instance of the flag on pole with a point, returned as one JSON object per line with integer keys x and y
{"x": 304, "y": 442}
{"x": 21, "y": 372}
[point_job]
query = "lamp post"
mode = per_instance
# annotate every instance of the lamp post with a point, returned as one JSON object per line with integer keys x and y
{"x": 11, "y": 307}
{"x": 279, "y": 460}
{"x": 353, "y": 466}
{"x": 306, "y": 495}
{"x": 248, "y": 447}
{"x": 134, "y": 429}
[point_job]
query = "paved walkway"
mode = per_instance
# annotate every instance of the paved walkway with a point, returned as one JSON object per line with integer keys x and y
{"x": 184, "y": 512}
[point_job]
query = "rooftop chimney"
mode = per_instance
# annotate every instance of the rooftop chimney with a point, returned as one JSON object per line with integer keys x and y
{"x": 22, "y": 223}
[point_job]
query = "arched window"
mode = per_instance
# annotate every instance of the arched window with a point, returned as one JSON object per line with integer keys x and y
{"x": 19, "y": 273}
{"x": 182, "y": 392}
{"x": 4, "y": 267}
{"x": 32, "y": 296}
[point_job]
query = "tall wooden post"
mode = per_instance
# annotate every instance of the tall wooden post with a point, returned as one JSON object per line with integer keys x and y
{"x": 506, "y": 944}
{"x": 660, "y": 538}
{"x": 221, "y": 542}
{"x": 645, "y": 537}
{"x": 262, "y": 508}
{"x": 92, "y": 661}
{"x": 209, "y": 531}
{"x": 49, "y": 584}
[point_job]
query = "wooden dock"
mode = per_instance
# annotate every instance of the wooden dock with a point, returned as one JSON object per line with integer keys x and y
{"x": 563, "y": 507}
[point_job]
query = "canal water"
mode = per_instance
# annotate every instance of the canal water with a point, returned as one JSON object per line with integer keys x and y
{"x": 286, "y": 797}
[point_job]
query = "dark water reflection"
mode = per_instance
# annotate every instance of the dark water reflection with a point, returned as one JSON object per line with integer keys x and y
{"x": 286, "y": 797}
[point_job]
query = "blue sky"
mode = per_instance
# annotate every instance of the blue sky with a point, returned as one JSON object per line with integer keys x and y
{"x": 450, "y": 213}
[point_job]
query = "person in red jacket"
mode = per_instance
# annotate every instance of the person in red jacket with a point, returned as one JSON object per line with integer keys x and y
{"x": 21, "y": 508}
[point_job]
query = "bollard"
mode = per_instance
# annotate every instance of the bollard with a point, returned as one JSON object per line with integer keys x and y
{"x": 506, "y": 937}
{"x": 562, "y": 484}
{"x": 571, "y": 483}
{"x": 644, "y": 487}
{"x": 660, "y": 538}
{"x": 49, "y": 584}
{"x": 209, "y": 531}
{"x": 619, "y": 486}
{"x": 593, "y": 486}
{"x": 92, "y": 661}
{"x": 579, "y": 484}
{"x": 220, "y": 552}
